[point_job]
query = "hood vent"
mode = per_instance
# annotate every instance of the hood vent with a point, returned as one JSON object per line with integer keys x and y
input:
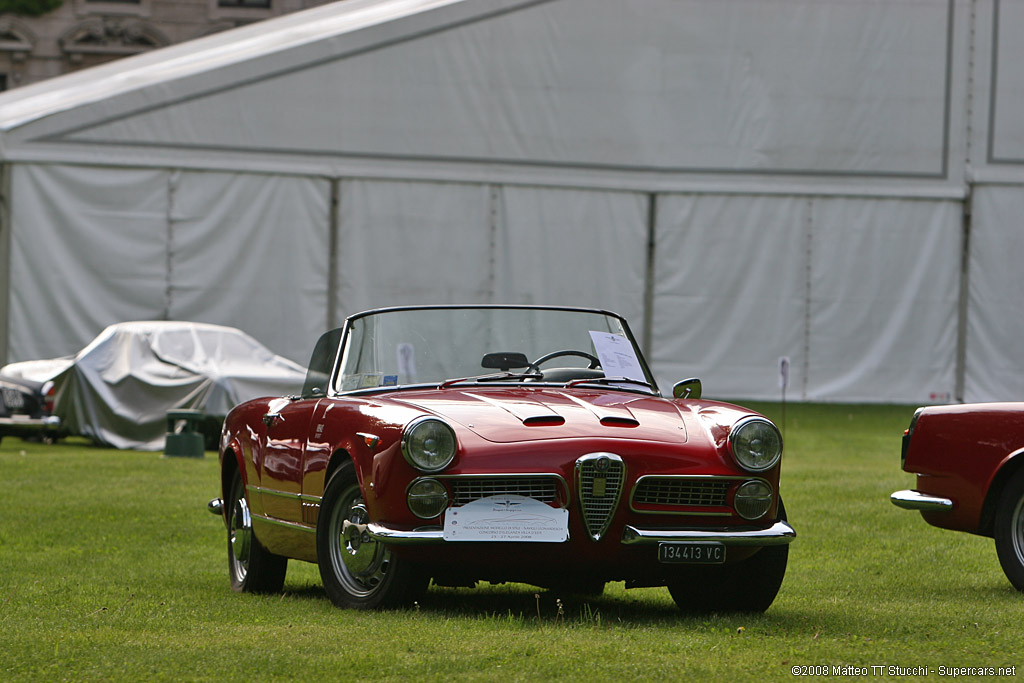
{"x": 599, "y": 479}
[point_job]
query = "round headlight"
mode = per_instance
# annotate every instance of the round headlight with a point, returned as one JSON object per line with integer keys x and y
{"x": 753, "y": 499}
{"x": 428, "y": 444}
{"x": 756, "y": 444}
{"x": 427, "y": 498}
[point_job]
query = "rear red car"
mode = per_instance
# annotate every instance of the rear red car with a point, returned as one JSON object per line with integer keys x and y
{"x": 970, "y": 474}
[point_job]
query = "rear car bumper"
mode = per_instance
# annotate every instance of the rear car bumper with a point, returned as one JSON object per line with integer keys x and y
{"x": 915, "y": 500}
{"x": 30, "y": 426}
{"x": 779, "y": 533}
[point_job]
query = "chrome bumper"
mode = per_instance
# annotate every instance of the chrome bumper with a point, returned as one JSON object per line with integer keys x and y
{"x": 915, "y": 500}
{"x": 779, "y": 533}
{"x": 29, "y": 426}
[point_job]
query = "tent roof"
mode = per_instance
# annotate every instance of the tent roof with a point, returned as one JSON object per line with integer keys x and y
{"x": 304, "y": 32}
{"x": 655, "y": 96}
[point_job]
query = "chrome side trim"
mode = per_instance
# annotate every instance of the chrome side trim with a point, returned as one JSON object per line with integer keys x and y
{"x": 779, "y": 533}
{"x": 281, "y": 522}
{"x": 303, "y": 497}
{"x": 915, "y": 500}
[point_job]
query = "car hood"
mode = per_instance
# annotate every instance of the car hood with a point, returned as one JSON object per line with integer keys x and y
{"x": 525, "y": 414}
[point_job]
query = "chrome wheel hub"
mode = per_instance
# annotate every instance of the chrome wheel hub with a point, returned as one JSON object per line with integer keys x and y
{"x": 1017, "y": 530}
{"x": 360, "y": 562}
{"x": 240, "y": 536}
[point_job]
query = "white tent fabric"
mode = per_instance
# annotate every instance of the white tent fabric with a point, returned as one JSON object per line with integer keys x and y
{"x": 744, "y": 180}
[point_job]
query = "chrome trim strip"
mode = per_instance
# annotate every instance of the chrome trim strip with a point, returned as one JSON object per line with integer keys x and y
{"x": 379, "y": 532}
{"x": 285, "y": 523}
{"x": 779, "y": 533}
{"x": 303, "y": 497}
{"x": 915, "y": 500}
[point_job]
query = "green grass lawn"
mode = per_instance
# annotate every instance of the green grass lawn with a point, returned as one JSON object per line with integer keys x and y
{"x": 111, "y": 569}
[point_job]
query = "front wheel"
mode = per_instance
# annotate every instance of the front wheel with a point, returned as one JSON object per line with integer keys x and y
{"x": 253, "y": 568}
{"x": 747, "y": 586}
{"x": 357, "y": 571}
{"x": 1009, "y": 530}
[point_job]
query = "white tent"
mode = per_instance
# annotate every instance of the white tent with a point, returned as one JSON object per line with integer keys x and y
{"x": 834, "y": 182}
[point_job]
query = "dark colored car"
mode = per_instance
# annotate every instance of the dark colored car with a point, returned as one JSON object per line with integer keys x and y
{"x": 501, "y": 444}
{"x": 969, "y": 462}
{"x": 26, "y": 409}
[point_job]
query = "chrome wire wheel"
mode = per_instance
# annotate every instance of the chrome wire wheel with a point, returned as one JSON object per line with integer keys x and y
{"x": 251, "y": 567}
{"x": 357, "y": 571}
{"x": 239, "y": 538}
{"x": 1017, "y": 530}
{"x": 360, "y": 563}
{"x": 1009, "y": 530}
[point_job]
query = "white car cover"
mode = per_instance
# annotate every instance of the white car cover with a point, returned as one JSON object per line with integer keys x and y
{"x": 118, "y": 389}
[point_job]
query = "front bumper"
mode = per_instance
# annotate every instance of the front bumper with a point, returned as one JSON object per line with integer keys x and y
{"x": 779, "y": 533}
{"x": 915, "y": 500}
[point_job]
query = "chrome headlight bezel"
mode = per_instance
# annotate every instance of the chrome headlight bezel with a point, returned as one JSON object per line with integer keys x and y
{"x": 427, "y": 498}
{"x": 414, "y": 441}
{"x": 753, "y": 498}
{"x": 756, "y": 444}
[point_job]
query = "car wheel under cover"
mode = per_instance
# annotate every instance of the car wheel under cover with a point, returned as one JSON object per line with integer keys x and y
{"x": 357, "y": 571}
{"x": 253, "y": 569}
{"x": 748, "y": 586}
{"x": 1009, "y": 530}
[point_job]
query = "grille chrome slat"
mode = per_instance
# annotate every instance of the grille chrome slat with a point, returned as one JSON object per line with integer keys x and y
{"x": 599, "y": 478}
{"x": 466, "y": 490}
{"x": 682, "y": 492}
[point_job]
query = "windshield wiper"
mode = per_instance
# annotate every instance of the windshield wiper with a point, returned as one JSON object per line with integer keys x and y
{"x": 496, "y": 377}
{"x": 607, "y": 380}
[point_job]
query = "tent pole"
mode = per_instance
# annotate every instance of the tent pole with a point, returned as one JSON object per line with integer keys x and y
{"x": 5, "y": 258}
{"x": 962, "y": 305}
{"x": 332, "y": 254}
{"x": 648, "y": 331}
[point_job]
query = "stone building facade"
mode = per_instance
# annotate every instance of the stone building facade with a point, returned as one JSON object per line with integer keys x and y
{"x": 83, "y": 33}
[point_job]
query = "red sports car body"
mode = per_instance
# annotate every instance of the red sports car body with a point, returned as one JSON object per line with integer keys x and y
{"x": 444, "y": 444}
{"x": 970, "y": 474}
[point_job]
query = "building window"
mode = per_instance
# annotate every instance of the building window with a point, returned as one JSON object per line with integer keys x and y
{"x": 258, "y": 4}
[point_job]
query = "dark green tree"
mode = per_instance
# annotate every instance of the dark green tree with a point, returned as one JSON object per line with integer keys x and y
{"x": 29, "y": 8}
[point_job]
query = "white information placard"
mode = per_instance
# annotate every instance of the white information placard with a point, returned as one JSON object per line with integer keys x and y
{"x": 506, "y": 518}
{"x": 617, "y": 355}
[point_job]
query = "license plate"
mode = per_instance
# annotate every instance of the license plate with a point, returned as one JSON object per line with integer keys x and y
{"x": 13, "y": 399}
{"x": 700, "y": 552}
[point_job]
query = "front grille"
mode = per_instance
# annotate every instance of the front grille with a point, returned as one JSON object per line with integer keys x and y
{"x": 681, "y": 491}
{"x": 599, "y": 477}
{"x": 467, "y": 489}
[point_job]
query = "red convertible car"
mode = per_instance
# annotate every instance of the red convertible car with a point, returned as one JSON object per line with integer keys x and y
{"x": 969, "y": 462}
{"x": 500, "y": 443}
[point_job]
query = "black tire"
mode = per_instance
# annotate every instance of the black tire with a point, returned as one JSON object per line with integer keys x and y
{"x": 252, "y": 568}
{"x": 358, "y": 572}
{"x": 749, "y": 586}
{"x": 1009, "y": 530}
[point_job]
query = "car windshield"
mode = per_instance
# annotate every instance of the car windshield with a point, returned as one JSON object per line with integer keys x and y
{"x": 416, "y": 346}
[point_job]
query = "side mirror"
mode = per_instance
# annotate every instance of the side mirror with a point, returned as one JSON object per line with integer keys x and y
{"x": 688, "y": 388}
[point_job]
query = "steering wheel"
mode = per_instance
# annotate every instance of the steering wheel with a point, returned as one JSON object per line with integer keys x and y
{"x": 535, "y": 365}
